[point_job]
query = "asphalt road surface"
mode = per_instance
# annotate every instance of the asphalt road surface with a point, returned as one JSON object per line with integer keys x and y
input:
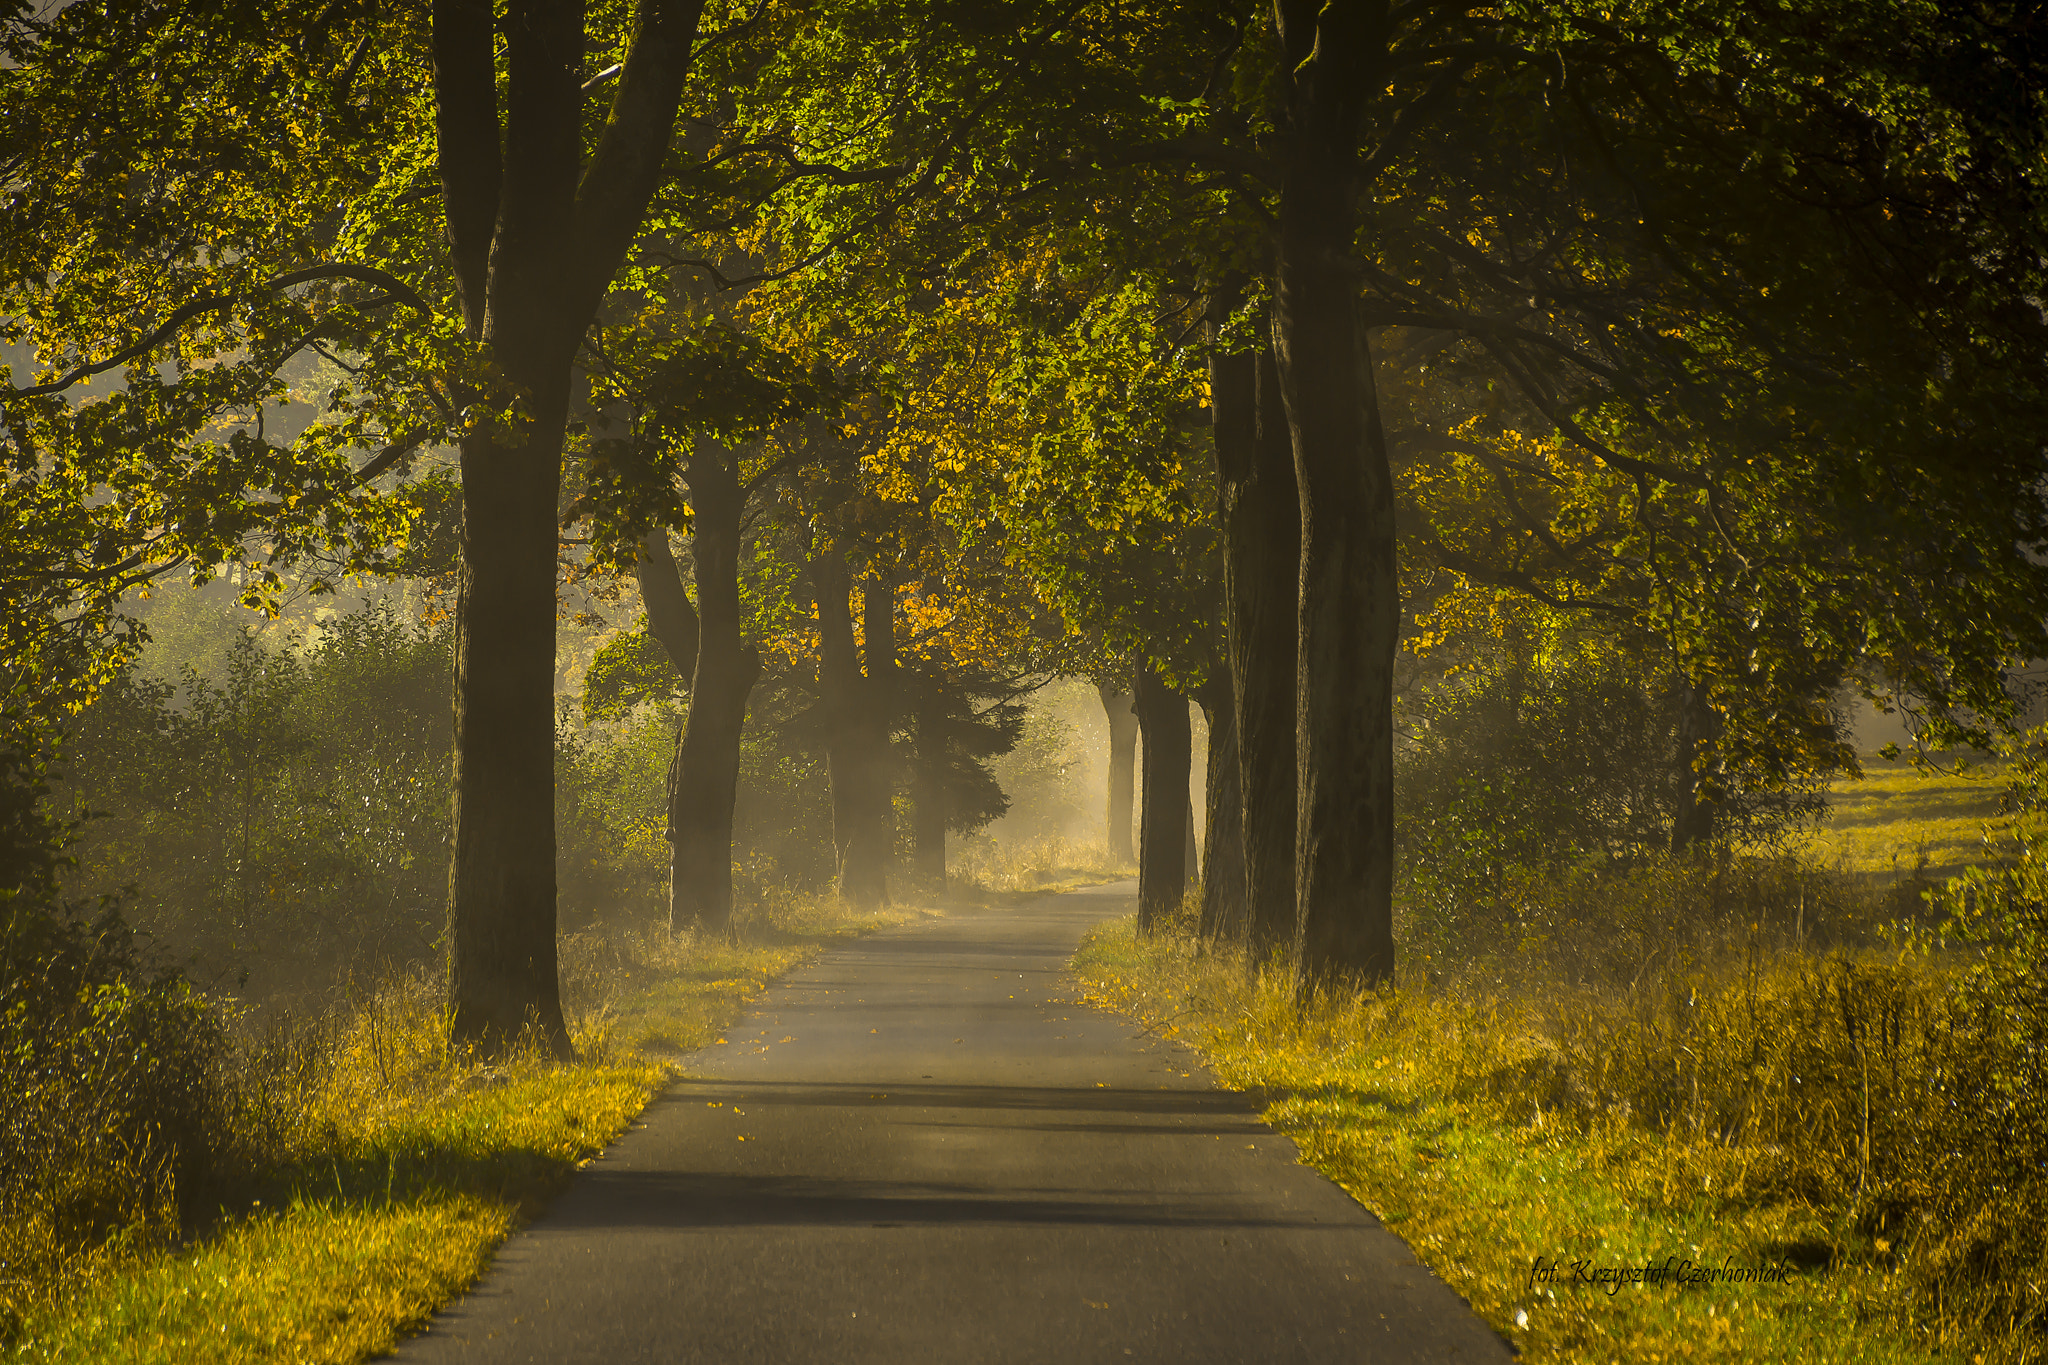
{"x": 920, "y": 1149}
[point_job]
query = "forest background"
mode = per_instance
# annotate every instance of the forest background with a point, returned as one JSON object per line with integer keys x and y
{"x": 1519, "y": 431}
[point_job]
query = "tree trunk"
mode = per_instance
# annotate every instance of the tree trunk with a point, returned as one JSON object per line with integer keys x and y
{"x": 928, "y": 794}
{"x": 1349, "y": 612}
{"x": 861, "y": 814}
{"x": 1123, "y": 755}
{"x": 1259, "y": 512}
{"x": 671, "y": 620}
{"x": 1163, "y": 816}
{"x": 1223, "y": 902}
{"x": 875, "y": 848}
{"x": 707, "y": 766}
{"x": 502, "y": 976}
{"x": 533, "y": 241}
{"x": 1699, "y": 725}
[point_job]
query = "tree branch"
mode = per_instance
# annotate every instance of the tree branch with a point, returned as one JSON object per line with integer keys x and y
{"x": 398, "y": 290}
{"x": 388, "y": 457}
{"x": 1521, "y": 582}
{"x": 466, "y": 125}
{"x": 1192, "y": 147}
{"x": 626, "y": 167}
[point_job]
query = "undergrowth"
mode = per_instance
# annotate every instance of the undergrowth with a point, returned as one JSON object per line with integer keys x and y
{"x": 1751, "y": 1066}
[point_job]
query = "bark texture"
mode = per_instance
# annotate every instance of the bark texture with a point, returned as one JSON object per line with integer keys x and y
{"x": 1223, "y": 899}
{"x": 706, "y": 772}
{"x": 1164, "y": 815}
{"x": 1123, "y": 765}
{"x": 534, "y": 239}
{"x": 1259, "y": 512}
{"x": 671, "y": 618}
{"x": 863, "y": 823}
{"x": 1348, "y": 616}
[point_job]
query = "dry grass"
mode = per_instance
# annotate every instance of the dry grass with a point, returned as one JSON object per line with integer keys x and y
{"x": 1051, "y": 863}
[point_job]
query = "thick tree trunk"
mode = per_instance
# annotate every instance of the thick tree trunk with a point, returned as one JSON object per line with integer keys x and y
{"x": 501, "y": 925}
{"x": 1163, "y": 816}
{"x": 671, "y": 619}
{"x": 1223, "y": 901}
{"x": 533, "y": 240}
{"x": 1260, "y": 516}
{"x": 1123, "y": 763}
{"x": 862, "y": 818}
{"x": 707, "y": 767}
{"x": 1349, "y": 610}
{"x": 928, "y": 795}
{"x": 1699, "y": 725}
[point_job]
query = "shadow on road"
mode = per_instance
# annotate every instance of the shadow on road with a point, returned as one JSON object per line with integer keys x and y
{"x": 623, "y": 1199}
{"x": 1074, "y": 1098}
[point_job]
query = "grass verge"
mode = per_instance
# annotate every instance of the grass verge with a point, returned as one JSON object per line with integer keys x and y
{"x": 1497, "y": 1142}
{"x": 395, "y": 1166}
{"x": 1898, "y": 820}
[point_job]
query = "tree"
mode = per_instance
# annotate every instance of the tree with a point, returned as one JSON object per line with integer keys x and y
{"x": 534, "y": 238}
{"x": 951, "y": 741}
{"x": 1123, "y": 765}
{"x": 696, "y": 392}
{"x": 1225, "y": 908}
{"x": 1258, "y": 511}
{"x": 1163, "y": 831}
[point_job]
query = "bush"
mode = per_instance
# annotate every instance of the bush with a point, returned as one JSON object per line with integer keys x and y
{"x": 611, "y": 816}
{"x": 291, "y": 817}
{"x": 1543, "y": 766}
{"x": 115, "y": 1110}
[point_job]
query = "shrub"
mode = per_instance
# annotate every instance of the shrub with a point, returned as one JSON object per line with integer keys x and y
{"x": 1544, "y": 766}
{"x": 114, "y": 1110}
{"x": 291, "y": 816}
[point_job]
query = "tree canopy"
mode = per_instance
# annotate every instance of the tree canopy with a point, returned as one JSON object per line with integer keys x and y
{"x": 960, "y": 338}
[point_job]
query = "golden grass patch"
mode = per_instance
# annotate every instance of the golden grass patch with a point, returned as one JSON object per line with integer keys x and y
{"x": 1897, "y": 820}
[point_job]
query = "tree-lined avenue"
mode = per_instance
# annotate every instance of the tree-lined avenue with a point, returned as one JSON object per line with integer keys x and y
{"x": 923, "y": 1148}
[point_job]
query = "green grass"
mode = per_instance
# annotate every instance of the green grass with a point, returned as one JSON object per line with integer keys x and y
{"x": 1898, "y": 821}
{"x": 1443, "y": 1113}
{"x": 410, "y": 1165}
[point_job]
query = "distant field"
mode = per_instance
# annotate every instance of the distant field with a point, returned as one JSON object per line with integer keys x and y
{"x": 1895, "y": 820}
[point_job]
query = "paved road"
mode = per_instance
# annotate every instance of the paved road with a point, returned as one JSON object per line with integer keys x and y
{"x": 919, "y": 1149}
